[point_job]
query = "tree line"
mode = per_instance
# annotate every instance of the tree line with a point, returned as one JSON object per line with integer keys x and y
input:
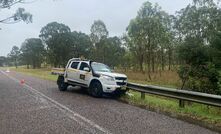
{"x": 188, "y": 42}
{"x": 57, "y": 44}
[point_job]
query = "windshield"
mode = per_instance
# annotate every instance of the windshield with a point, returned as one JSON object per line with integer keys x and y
{"x": 99, "y": 67}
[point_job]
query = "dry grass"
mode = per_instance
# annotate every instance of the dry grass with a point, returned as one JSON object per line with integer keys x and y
{"x": 44, "y": 73}
{"x": 164, "y": 78}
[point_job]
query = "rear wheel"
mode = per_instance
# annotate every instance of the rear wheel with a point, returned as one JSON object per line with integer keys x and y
{"x": 96, "y": 89}
{"x": 62, "y": 86}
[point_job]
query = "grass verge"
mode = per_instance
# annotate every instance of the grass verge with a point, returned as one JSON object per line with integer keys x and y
{"x": 197, "y": 113}
{"x": 44, "y": 73}
{"x": 208, "y": 115}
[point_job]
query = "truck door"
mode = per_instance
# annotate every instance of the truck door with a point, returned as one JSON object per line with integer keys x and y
{"x": 72, "y": 72}
{"x": 85, "y": 73}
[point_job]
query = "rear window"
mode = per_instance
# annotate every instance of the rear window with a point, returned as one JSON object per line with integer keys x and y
{"x": 74, "y": 65}
{"x": 83, "y": 65}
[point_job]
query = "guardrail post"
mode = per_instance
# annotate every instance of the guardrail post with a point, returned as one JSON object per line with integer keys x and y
{"x": 181, "y": 103}
{"x": 142, "y": 95}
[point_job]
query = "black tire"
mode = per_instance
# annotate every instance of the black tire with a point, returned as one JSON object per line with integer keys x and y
{"x": 96, "y": 89}
{"x": 119, "y": 93}
{"x": 62, "y": 86}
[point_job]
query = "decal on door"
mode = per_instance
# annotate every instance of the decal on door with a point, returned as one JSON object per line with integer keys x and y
{"x": 82, "y": 76}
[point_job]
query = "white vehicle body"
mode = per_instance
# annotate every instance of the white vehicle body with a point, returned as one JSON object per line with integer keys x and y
{"x": 83, "y": 73}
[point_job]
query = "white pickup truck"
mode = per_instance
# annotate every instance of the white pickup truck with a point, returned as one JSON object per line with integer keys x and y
{"x": 96, "y": 77}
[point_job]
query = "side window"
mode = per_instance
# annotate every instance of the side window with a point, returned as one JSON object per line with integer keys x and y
{"x": 83, "y": 65}
{"x": 74, "y": 65}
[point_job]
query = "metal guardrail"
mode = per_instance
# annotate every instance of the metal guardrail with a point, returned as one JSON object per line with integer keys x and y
{"x": 181, "y": 95}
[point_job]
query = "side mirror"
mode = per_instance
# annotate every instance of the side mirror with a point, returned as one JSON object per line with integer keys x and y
{"x": 87, "y": 69}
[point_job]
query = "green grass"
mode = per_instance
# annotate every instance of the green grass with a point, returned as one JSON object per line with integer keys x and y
{"x": 195, "y": 111}
{"x": 43, "y": 73}
{"x": 200, "y": 112}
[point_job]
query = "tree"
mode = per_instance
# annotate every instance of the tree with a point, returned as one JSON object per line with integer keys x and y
{"x": 32, "y": 52}
{"x": 2, "y": 61}
{"x": 110, "y": 51}
{"x": 52, "y": 29}
{"x": 135, "y": 43}
{"x": 99, "y": 34}
{"x": 114, "y": 51}
{"x": 98, "y": 31}
{"x": 62, "y": 49}
{"x": 58, "y": 39}
{"x": 14, "y": 55}
{"x": 199, "y": 20}
{"x": 148, "y": 33}
{"x": 81, "y": 45}
{"x": 198, "y": 73}
{"x": 198, "y": 25}
{"x": 216, "y": 50}
{"x": 19, "y": 15}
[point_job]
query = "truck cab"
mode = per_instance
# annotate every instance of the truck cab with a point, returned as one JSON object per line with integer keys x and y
{"x": 98, "y": 78}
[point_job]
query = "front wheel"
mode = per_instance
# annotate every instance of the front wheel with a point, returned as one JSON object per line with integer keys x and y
{"x": 96, "y": 89}
{"x": 62, "y": 86}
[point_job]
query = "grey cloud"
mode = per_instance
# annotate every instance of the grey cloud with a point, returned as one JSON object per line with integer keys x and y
{"x": 78, "y": 15}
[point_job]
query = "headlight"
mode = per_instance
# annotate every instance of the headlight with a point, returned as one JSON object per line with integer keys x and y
{"x": 108, "y": 78}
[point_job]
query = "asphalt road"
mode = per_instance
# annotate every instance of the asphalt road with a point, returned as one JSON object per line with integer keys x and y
{"x": 39, "y": 107}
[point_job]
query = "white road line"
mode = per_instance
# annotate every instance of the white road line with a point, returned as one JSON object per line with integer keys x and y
{"x": 72, "y": 115}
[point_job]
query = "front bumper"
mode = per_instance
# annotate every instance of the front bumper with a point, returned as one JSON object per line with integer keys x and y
{"x": 112, "y": 88}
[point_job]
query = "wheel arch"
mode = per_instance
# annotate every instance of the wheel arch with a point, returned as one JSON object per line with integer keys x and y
{"x": 94, "y": 80}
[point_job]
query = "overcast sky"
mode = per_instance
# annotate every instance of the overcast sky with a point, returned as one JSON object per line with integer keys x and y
{"x": 78, "y": 15}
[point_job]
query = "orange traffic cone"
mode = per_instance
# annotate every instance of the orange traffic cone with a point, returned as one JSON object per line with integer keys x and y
{"x": 22, "y": 82}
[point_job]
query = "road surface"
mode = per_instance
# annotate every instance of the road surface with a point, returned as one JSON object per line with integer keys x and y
{"x": 39, "y": 107}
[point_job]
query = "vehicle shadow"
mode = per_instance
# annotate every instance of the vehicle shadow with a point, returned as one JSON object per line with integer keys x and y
{"x": 84, "y": 92}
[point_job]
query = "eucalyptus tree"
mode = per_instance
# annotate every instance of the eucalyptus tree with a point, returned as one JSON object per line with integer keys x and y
{"x": 14, "y": 55}
{"x": 98, "y": 36}
{"x": 216, "y": 50}
{"x": 81, "y": 45}
{"x": 148, "y": 33}
{"x": 57, "y": 38}
{"x": 115, "y": 52}
{"x": 98, "y": 31}
{"x": 19, "y": 15}
{"x": 198, "y": 25}
{"x": 112, "y": 51}
{"x": 200, "y": 19}
{"x": 32, "y": 52}
{"x": 3, "y": 61}
{"x": 135, "y": 44}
